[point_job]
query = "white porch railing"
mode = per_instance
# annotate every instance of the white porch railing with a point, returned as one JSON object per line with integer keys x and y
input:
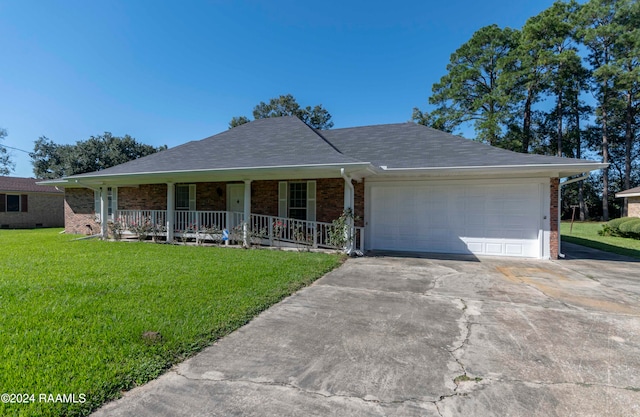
{"x": 135, "y": 218}
{"x": 265, "y": 230}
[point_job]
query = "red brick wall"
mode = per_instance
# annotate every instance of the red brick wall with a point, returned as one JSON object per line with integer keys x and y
{"x": 79, "y": 216}
{"x": 554, "y": 235}
{"x": 359, "y": 202}
{"x": 264, "y": 198}
{"x": 144, "y": 197}
{"x": 211, "y": 196}
{"x": 329, "y": 199}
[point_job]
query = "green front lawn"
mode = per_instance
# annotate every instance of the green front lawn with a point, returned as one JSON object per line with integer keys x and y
{"x": 586, "y": 234}
{"x": 73, "y": 313}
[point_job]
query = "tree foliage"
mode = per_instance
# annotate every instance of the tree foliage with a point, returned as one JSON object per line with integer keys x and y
{"x": 470, "y": 91}
{"x": 51, "y": 160}
{"x": 286, "y": 105}
{"x": 6, "y": 165}
{"x": 566, "y": 84}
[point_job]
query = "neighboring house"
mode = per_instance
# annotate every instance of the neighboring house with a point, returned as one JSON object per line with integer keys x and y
{"x": 25, "y": 204}
{"x": 633, "y": 200}
{"x": 414, "y": 189}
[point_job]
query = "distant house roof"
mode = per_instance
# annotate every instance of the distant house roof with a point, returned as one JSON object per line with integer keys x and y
{"x": 25, "y": 185}
{"x": 632, "y": 192}
{"x": 287, "y": 142}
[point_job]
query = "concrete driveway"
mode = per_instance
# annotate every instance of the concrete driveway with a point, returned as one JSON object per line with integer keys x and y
{"x": 394, "y": 336}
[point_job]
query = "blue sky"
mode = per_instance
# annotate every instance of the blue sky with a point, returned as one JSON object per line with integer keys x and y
{"x": 170, "y": 72}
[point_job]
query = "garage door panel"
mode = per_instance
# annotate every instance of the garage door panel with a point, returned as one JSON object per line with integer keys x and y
{"x": 481, "y": 219}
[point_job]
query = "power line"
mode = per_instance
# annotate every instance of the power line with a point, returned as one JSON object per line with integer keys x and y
{"x": 16, "y": 149}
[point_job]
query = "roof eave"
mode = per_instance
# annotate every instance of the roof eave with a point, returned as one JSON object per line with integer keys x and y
{"x": 222, "y": 174}
{"x": 552, "y": 170}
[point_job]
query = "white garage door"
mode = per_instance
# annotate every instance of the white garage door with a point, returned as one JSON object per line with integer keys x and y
{"x": 501, "y": 219}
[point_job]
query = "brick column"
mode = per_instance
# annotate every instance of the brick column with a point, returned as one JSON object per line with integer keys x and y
{"x": 554, "y": 219}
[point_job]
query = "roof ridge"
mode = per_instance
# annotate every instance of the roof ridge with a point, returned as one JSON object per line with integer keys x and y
{"x": 376, "y": 125}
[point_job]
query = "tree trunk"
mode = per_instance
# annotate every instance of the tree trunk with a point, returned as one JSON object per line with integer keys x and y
{"x": 628, "y": 138}
{"x": 559, "y": 111}
{"x": 526, "y": 126}
{"x": 583, "y": 208}
{"x": 605, "y": 159}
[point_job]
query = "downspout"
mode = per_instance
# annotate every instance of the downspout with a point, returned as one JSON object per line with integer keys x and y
{"x": 562, "y": 184}
{"x": 349, "y": 203}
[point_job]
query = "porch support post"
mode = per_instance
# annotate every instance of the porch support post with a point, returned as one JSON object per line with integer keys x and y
{"x": 171, "y": 192}
{"x": 246, "y": 241}
{"x": 104, "y": 212}
{"x": 349, "y": 195}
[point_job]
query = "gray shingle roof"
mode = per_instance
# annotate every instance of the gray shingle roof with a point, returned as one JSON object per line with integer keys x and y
{"x": 25, "y": 185}
{"x": 286, "y": 141}
{"x": 273, "y": 142}
{"x": 408, "y": 145}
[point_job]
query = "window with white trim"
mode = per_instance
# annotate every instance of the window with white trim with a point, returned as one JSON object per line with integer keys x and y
{"x": 186, "y": 197}
{"x": 112, "y": 202}
{"x": 297, "y": 200}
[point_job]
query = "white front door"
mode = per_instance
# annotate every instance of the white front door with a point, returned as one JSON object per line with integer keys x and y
{"x": 235, "y": 198}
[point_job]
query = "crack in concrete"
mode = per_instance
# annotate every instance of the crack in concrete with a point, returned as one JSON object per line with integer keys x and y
{"x": 551, "y": 383}
{"x": 465, "y": 326}
{"x": 300, "y": 389}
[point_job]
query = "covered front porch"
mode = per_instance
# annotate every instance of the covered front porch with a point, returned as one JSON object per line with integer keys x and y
{"x": 227, "y": 227}
{"x": 267, "y": 212}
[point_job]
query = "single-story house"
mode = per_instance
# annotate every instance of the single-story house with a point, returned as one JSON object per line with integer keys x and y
{"x": 411, "y": 188}
{"x": 25, "y": 204}
{"x": 633, "y": 201}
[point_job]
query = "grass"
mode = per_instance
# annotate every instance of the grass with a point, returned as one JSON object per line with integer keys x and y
{"x": 586, "y": 234}
{"x": 73, "y": 313}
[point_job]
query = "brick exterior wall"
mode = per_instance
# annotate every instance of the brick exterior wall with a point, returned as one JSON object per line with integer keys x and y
{"x": 79, "y": 215}
{"x": 554, "y": 235}
{"x": 210, "y": 196}
{"x": 329, "y": 199}
{"x": 43, "y": 210}
{"x": 264, "y": 198}
{"x": 144, "y": 197}
{"x": 634, "y": 206}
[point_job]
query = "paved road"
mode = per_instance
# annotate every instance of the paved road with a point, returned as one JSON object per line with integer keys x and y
{"x": 402, "y": 336}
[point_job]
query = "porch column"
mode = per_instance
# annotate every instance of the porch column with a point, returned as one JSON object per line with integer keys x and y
{"x": 171, "y": 192}
{"x": 246, "y": 240}
{"x": 104, "y": 212}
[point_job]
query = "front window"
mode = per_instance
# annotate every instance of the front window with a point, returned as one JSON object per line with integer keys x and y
{"x": 112, "y": 202}
{"x": 13, "y": 202}
{"x": 298, "y": 200}
{"x": 186, "y": 197}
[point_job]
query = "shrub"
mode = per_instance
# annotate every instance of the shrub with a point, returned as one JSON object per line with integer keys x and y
{"x": 612, "y": 228}
{"x": 630, "y": 228}
{"x": 606, "y": 230}
{"x": 615, "y": 223}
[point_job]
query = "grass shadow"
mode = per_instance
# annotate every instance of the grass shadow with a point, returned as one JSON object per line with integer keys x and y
{"x": 633, "y": 253}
